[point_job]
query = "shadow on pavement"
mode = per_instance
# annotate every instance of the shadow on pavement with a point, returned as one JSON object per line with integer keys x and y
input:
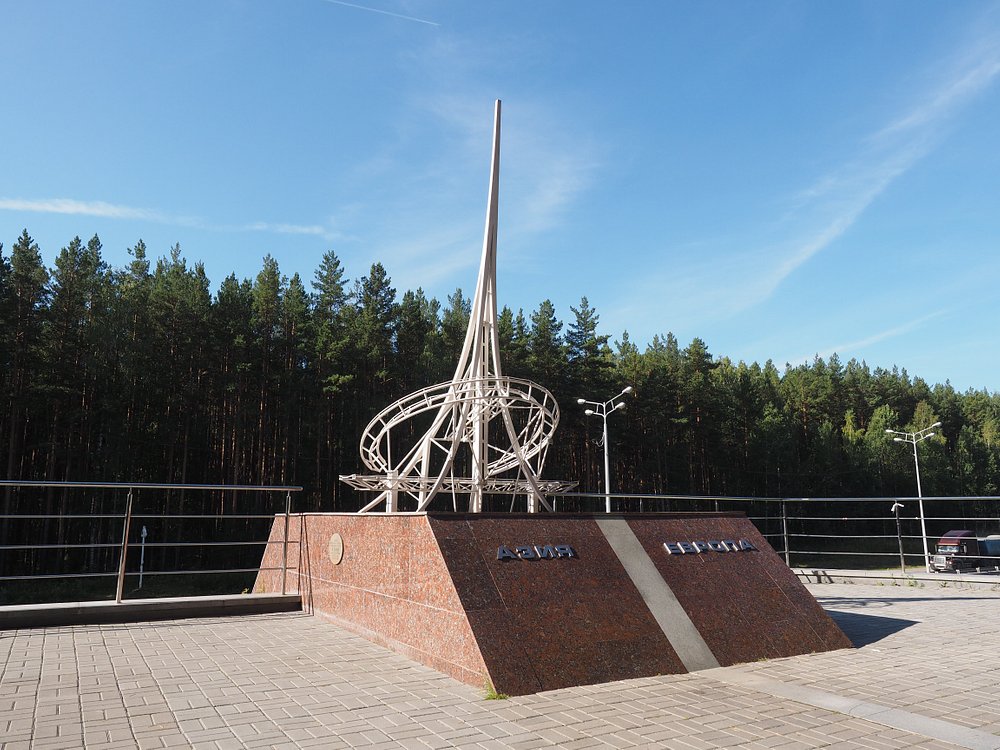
{"x": 863, "y": 630}
{"x": 887, "y": 601}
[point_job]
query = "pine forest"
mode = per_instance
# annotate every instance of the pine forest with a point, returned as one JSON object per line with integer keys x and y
{"x": 145, "y": 374}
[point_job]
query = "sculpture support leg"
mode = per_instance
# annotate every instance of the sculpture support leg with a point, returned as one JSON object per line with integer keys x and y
{"x": 392, "y": 493}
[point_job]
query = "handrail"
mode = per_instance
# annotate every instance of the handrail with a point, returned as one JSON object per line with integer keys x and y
{"x": 861, "y": 536}
{"x": 752, "y": 499}
{"x": 131, "y": 488}
{"x": 150, "y": 486}
{"x": 787, "y": 523}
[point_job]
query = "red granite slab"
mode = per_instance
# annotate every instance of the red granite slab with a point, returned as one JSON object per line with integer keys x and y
{"x": 431, "y": 586}
{"x": 546, "y": 624}
{"x": 746, "y": 605}
{"x": 391, "y": 586}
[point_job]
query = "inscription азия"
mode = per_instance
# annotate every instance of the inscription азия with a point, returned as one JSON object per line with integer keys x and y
{"x": 696, "y": 548}
{"x": 535, "y": 552}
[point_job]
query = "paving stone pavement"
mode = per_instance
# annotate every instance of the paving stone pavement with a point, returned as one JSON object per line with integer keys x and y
{"x": 922, "y": 678}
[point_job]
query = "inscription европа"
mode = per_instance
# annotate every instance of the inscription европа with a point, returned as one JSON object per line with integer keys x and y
{"x": 696, "y": 548}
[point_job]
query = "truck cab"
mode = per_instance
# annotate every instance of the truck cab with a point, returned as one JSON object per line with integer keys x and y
{"x": 956, "y": 551}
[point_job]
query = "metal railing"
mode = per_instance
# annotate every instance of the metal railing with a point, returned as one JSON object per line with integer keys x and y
{"x": 128, "y": 514}
{"x": 868, "y": 531}
{"x": 807, "y": 532}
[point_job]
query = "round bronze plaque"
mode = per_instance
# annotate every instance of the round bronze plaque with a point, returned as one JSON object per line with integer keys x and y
{"x": 336, "y": 549}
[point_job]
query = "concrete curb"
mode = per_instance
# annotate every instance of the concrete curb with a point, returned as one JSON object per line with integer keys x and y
{"x": 916, "y": 578}
{"x": 140, "y": 610}
{"x": 946, "y": 731}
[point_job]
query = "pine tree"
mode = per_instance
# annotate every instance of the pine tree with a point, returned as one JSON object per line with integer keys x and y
{"x": 27, "y": 299}
{"x": 233, "y": 393}
{"x": 414, "y": 341}
{"x": 587, "y": 351}
{"x": 334, "y": 372}
{"x": 454, "y": 323}
{"x": 266, "y": 324}
{"x": 296, "y": 346}
{"x": 546, "y": 350}
{"x": 375, "y": 328}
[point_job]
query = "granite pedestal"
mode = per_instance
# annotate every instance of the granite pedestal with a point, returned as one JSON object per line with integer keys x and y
{"x": 543, "y": 601}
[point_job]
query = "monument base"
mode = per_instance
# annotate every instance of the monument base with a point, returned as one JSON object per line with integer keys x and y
{"x": 532, "y": 602}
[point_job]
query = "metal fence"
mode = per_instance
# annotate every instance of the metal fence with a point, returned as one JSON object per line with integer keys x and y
{"x": 39, "y": 543}
{"x": 836, "y": 532}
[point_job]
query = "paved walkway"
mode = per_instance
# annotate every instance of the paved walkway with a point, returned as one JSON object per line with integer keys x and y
{"x": 925, "y": 676}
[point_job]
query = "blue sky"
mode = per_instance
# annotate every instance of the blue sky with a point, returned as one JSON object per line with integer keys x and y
{"x": 781, "y": 179}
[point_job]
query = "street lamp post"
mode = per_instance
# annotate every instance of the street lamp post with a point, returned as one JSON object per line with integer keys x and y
{"x": 602, "y": 410}
{"x": 913, "y": 438}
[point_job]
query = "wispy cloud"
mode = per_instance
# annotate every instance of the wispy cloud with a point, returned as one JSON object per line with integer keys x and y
{"x": 849, "y": 348}
{"x": 832, "y": 205}
{"x": 80, "y": 208}
{"x": 382, "y": 12}
{"x": 431, "y": 206}
{"x": 823, "y": 212}
{"x": 263, "y": 226}
{"x": 428, "y": 260}
{"x": 555, "y": 181}
{"x": 105, "y": 210}
{"x": 545, "y": 164}
{"x": 831, "y": 208}
{"x": 970, "y": 74}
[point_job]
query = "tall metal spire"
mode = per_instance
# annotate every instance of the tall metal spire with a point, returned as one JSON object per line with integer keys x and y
{"x": 481, "y": 433}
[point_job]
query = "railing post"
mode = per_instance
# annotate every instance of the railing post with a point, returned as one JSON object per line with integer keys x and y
{"x": 124, "y": 553}
{"x": 284, "y": 544}
{"x": 896, "y": 506}
{"x": 784, "y": 531}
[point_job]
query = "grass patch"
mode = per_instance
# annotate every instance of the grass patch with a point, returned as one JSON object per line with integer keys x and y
{"x": 490, "y": 692}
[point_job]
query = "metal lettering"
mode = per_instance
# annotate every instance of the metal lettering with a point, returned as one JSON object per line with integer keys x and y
{"x": 534, "y": 552}
{"x": 714, "y": 545}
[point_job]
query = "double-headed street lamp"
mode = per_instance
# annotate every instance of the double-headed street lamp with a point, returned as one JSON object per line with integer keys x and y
{"x": 602, "y": 410}
{"x": 914, "y": 438}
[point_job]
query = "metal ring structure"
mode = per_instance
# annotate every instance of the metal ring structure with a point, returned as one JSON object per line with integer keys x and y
{"x": 487, "y": 398}
{"x": 520, "y": 418}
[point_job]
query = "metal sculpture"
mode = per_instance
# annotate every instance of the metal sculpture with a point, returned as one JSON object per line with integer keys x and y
{"x": 481, "y": 433}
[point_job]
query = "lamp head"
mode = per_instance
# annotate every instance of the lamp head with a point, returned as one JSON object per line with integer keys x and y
{"x": 589, "y": 412}
{"x": 936, "y": 424}
{"x": 627, "y": 389}
{"x": 889, "y": 432}
{"x": 898, "y": 440}
{"x": 581, "y": 401}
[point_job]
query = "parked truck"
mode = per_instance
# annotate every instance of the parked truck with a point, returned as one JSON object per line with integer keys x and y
{"x": 962, "y": 550}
